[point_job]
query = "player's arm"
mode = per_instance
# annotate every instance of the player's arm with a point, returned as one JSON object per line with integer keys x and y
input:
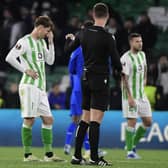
{"x": 145, "y": 75}
{"x": 50, "y": 52}
{"x": 145, "y": 69}
{"x": 17, "y": 51}
{"x": 72, "y": 42}
{"x": 125, "y": 79}
{"x": 131, "y": 101}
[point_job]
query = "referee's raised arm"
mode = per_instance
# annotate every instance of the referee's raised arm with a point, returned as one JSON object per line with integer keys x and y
{"x": 72, "y": 42}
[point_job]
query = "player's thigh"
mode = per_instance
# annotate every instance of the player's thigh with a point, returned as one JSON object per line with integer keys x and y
{"x": 144, "y": 108}
{"x": 75, "y": 110}
{"x": 29, "y": 100}
{"x": 44, "y": 107}
{"x": 127, "y": 111}
{"x": 76, "y": 104}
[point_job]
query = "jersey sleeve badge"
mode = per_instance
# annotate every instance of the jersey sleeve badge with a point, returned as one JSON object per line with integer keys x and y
{"x": 18, "y": 46}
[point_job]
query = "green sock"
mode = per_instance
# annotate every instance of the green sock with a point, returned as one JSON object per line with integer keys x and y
{"x": 27, "y": 138}
{"x": 129, "y": 138}
{"x": 139, "y": 134}
{"x": 47, "y": 139}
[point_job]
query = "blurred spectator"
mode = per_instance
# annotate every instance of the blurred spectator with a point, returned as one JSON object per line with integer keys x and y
{"x": 3, "y": 92}
{"x": 119, "y": 33}
{"x": 129, "y": 27}
{"x": 5, "y": 32}
{"x": 148, "y": 32}
{"x": 89, "y": 15}
{"x": 2, "y": 101}
{"x": 150, "y": 91}
{"x": 13, "y": 96}
{"x": 161, "y": 99}
{"x": 163, "y": 73}
{"x": 115, "y": 98}
{"x": 152, "y": 73}
{"x": 72, "y": 27}
{"x": 17, "y": 29}
{"x": 56, "y": 97}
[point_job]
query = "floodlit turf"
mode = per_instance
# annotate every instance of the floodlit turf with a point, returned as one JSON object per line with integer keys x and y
{"x": 11, "y": 157}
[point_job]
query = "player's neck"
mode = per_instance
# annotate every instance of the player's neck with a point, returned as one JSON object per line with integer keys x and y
{"x": 34, "y": 34}
{"x": 133, "y": 51}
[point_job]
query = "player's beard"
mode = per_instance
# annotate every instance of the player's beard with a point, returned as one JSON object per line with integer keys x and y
{"x": 137, "y": 49}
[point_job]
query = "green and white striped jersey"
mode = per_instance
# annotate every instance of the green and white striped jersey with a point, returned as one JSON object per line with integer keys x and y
{"x": 33, "y": 54}
{"x": 134, "y": 67}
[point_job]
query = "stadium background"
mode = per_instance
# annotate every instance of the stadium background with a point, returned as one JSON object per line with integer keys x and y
{"x": 16, "y": 19}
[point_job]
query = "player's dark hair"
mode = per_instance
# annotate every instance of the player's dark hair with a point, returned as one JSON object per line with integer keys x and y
{"x": 88, "y": 23}
{"x": 44, "y": 21}
{"x": 100, "y": 10}
{"x": 133, "y": 35}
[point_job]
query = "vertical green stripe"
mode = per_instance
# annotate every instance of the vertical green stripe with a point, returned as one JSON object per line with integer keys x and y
{"x": 140, "y": 76}
{"x": 142, "y": 56}
{"x": 133, "y": 76}
{"x": 26, "y": 76}
{"x": 124, "y": 92}
{"x": 34, "y": 61}
{"x": 40, "y": 69}
{"x": 43, "y": 69}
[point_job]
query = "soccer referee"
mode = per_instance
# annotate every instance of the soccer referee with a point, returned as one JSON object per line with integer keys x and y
{"x": 97, "y": 46}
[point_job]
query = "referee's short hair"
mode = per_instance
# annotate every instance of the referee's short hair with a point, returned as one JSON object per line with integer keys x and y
{"x": 100, "y": 10}
{"x": 133, "y": 35}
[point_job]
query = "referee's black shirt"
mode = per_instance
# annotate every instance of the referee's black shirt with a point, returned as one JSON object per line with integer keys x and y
{"x": 97, "y": 46}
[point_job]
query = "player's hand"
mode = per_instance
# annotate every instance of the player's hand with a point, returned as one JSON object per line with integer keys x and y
{"x": 71, "y": 36}
{"x": 50, "y": 37}
{"x": 32, "y": 73}
{"x": 131, "y": 102}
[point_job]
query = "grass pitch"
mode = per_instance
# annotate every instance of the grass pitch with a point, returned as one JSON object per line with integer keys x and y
{"x": 11, "y": 157}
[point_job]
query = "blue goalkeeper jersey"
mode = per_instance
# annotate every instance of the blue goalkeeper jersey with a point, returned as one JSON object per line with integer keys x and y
{"x": 75, "y": 68}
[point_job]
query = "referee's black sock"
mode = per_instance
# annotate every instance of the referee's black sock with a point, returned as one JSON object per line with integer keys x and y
{"x": 80, "y": 134}
{"x": 94, "y": 139}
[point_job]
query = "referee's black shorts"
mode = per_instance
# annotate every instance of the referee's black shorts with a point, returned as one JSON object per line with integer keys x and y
{"x": 95, "y": 91}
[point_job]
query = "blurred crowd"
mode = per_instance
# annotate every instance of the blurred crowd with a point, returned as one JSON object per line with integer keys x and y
{"x": 17, "y": 18}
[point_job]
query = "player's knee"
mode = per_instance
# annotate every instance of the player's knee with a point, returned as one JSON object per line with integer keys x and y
{"x": 131, "y": 122}
{"x": 148, "y": 123}
{"x": 29, "y": 121}
{"x": 48, "y": 121}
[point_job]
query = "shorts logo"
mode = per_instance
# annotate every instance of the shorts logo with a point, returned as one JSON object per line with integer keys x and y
{"x": 140, "y": 68}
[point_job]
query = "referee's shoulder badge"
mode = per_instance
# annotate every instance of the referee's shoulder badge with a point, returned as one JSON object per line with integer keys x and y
{"x": 18, "y": 46}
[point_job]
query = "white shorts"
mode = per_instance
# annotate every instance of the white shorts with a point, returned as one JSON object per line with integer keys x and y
{"x": 34, "y": 102}
{"x": 143, "y": 109}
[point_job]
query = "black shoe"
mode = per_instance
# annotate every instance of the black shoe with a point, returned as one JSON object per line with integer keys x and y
{"x": 76, "y": 161}
{"x": 100, "y": 162}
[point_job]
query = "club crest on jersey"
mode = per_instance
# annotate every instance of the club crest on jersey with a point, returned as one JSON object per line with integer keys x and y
{"x": 139, "y": 67}
{"x": 40, "y": 55}
{"x": 18, "y": 46}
